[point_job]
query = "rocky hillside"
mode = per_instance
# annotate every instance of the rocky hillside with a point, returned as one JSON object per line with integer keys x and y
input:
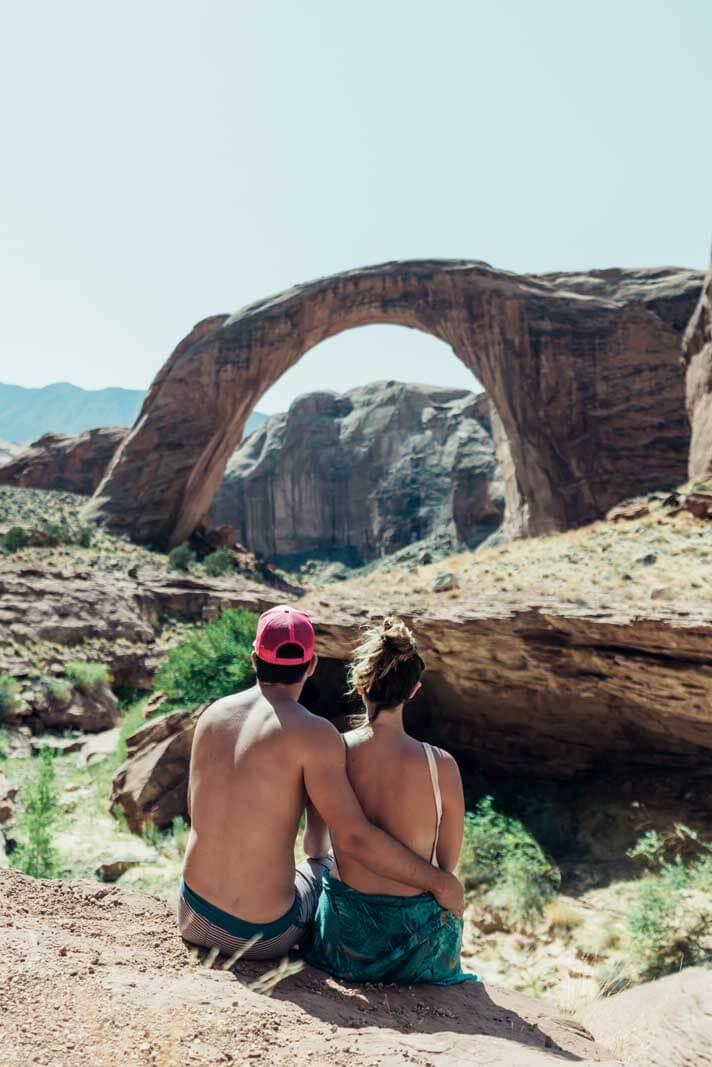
{"x": 361, "y": 475}
{"x": 7, "y": 450}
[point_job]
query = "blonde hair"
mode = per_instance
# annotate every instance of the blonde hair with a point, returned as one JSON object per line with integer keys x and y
{"x": 386, "y": 665}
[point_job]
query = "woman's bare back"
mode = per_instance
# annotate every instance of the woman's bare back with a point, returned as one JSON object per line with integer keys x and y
{"x": 389, "y": 774}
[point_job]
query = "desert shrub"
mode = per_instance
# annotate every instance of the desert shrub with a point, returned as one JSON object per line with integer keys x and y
{"x": 213, "y": 661}
{"x": 36, "y": 854}
{"x": 9, "y": 690}
{"x": 181, "y": 558}
{"x": 671, "y": 920}
{"x": 14, "y": 539}
{"x": 84, "y": 536}
{"x": 501, "y": 857}
{"x": 180, "y": 830}
{"x": 58, "y": 690}
{"x": 218, "y": 562}
{"x": 87, "y": 677}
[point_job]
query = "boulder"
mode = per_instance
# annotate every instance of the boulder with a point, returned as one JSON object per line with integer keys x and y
{"x": 151, "y": 787}
{"x": 93, "y": 711}
{"x": 697, "y": 355}
{"x": 363, "y": 474}
{"x": 73, "y": 463}
{"x": 582, "y": 370}
{"x": 8, "y": 793}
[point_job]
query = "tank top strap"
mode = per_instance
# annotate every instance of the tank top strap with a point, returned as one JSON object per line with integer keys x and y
{"x": 435, "y": 782}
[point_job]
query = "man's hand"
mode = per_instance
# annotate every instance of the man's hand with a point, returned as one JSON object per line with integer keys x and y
{"x": 450, "y": 895}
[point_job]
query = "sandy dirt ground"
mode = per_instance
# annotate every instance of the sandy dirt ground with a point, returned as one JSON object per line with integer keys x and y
{"x": 93, "y": 976}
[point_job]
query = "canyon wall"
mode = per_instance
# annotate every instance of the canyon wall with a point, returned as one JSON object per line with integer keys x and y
{"x": 363, "y": 474}
{"x": 697, "y": 354}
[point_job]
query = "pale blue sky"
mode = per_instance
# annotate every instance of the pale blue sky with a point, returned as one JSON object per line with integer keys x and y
{"x": 165, "y": 160}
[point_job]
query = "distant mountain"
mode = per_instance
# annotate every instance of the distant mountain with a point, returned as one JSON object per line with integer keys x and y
{"x": 26, "y": 414}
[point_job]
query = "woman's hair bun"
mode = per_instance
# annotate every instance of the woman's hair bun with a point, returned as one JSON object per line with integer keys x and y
{"x": 397, "y": 637}
{"x": 386, "y": 665}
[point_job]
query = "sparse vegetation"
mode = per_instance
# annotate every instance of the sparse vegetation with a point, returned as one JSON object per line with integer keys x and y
{"x": 671, "y": 922}
{"x": 218, "y": 562}
{"x": 181, "y": 558}
{"x": 213, "y": 661}
{"x": 502, "y": 859}
{"x": 58, "y": 690}
{"x": 9, "y": 691}
{"x": 14, "y": 539}
{"x": 37, "y": 816}
{"x": 87, "y": 677}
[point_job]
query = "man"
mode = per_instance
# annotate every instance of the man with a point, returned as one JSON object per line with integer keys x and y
{"x": 259, "y": 758}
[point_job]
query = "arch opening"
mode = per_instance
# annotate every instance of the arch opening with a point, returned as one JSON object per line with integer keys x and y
{"x": 389, "y": 465}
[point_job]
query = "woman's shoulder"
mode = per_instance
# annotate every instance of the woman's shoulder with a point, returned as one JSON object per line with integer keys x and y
{"x": 448, "y": 770}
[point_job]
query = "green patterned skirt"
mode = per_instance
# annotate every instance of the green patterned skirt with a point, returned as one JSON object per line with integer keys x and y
{"x": 370, "y": 937}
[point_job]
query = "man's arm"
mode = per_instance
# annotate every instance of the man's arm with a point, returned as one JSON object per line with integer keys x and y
{"x": 330, "y": 791}
{"x": 316, "y": 835}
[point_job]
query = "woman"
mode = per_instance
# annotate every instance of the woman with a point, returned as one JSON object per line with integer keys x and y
{"x": 369, "y": 928}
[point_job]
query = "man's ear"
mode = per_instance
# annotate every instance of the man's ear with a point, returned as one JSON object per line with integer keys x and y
{"x": 253, "y": 657}
{"x": 418, "y": 685}
{"x": 312, "y": 665}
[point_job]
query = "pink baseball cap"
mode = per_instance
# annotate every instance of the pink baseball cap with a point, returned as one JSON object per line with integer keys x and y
{"x": 284, "y": 626}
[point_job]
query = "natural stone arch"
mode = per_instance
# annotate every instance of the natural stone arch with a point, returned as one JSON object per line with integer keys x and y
{"x": 583, "y": 372}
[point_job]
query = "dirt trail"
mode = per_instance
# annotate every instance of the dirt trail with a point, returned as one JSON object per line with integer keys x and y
{"x": 93, "y": 976}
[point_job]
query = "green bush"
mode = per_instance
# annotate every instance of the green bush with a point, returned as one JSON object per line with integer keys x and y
{"x": 14, "y": 539}
{"x": 84, "y": 536}
{"x": 9, "y": 690}
{"x": 36, "y": 855}
{"x": 181, "y": 558}
{"x": 671, "y": 920}
{"x": 87, "y": 677}
{"x": 218, "y": 562}
{"x": 502, "y": 858}
{"x": 211, "y": 662}
{"x": 58, "y": 690}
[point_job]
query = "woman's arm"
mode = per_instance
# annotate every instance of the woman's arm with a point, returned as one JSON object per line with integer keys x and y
{"x": 453, "y": 821}
{"x": 316, "y": 835}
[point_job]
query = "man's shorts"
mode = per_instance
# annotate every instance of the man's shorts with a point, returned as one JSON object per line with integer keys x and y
{"x": 201, "y": 923}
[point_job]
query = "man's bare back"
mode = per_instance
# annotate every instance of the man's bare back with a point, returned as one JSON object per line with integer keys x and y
{"x": 246, "y": 800}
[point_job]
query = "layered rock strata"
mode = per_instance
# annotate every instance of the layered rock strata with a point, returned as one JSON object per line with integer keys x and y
{"x": 583, "y": 371}
{"x": 364, "y": 474}
{"x": 697, "y": 350}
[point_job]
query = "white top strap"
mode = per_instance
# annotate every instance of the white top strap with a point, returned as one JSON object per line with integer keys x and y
{"x": 435, "y": 781}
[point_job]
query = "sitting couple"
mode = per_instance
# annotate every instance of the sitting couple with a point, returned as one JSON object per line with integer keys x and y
{"x": 376, "y": 899}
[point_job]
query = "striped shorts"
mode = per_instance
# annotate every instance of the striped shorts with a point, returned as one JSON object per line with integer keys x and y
{"x": 201, "y": 923}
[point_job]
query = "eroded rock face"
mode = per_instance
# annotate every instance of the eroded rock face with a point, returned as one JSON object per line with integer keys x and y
{"x": 364, "y": 473}
{"x": 583, "y": 371}
{"x": 8, "y": 793}
{"x": 73, "y": 464}
{"x": 7, "y": 450}
{"x": 697, "y": 349}
{"x": 151, "y": 787}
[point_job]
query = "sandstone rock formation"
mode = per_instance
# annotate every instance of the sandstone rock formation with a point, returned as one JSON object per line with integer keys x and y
{"x": 59, "y": 461}
{"x": 151, "y": 787}
{"x": 119, "y": 986}
{"x": 583, "y": 371}
{"x": 697, "y": 349}
{"x": 364, "y": 474}
{"x": 39, "y": 709}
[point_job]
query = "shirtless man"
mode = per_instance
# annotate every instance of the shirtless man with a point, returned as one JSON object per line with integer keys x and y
{"x": 259, "y": 759}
